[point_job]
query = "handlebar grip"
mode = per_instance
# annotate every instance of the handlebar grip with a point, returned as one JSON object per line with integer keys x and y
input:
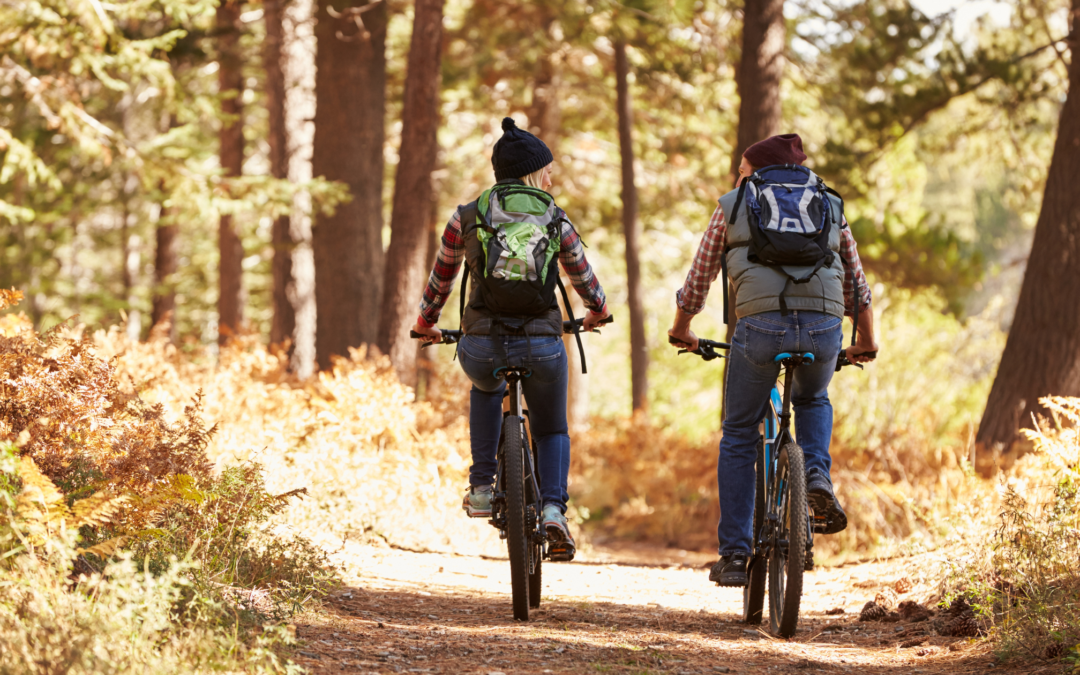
{"x": 672, "y": 341}
{"x": 414, "y": 335}
{"x": 568, "y": 326}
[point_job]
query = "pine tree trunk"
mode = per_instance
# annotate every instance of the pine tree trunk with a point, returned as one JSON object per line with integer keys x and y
{"x": 760, "y": 70}
{"x": 283, "y": 323}
{"x": 545, "y": 121}
{"x": 1042, "y": 353}
{"x": 405, "y": 258}
{"x": 231, "y": 138}
{"x": 350, "y": 92}
{"x": 299, "y": 65}
{"x": 758, "y": 81}
{"x": 639, "y": 355}
{"x": 165, "y": 266}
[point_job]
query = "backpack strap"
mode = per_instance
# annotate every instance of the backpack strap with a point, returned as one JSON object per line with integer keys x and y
{"x": 466, "y": 214}
{"x": 855, "y": 288}
{"x": 728, "y": 247}
{"x": 570, "y": 314}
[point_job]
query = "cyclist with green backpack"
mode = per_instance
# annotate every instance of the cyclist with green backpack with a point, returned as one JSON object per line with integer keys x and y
{"x": 511, "y": 240}
{"x": 783, "y": 239}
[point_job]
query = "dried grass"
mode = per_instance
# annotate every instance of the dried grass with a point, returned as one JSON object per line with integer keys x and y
{"x": 96, "y": 484}
{"x": 375, "y": 462}
{"x": 1026, "y": 579}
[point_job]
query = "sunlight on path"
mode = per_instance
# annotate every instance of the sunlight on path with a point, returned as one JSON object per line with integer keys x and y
{"x": 436, "y": 613}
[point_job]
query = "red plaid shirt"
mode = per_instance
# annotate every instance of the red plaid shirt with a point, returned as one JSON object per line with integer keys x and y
{"x": 452, "y": 254}
{"x": 706, "y": 266}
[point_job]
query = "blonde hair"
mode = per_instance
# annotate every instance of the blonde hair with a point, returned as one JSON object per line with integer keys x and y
{"x": 535, "y": 179}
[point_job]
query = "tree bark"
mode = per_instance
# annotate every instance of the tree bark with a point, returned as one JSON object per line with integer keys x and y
{"x": 299, "y": 65}
{"x": 545, "y": 113}
{"x": 639, "y": 355}
{"x": 1042, "y": 353}
{"x": 283, "y": 323}
{"x": 231, "y": 138}
{"x": 405, "y": 258}
{"x": 350, "y": 93}
{"x": 758, "y": 78}
{"x": 165, "y": 266}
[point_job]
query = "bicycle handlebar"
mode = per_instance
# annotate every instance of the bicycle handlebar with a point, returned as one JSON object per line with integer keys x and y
{"x": 568, "y": 326}
{"x": 842, "y": 360}
{"x": 450, "y": 337}
{"x": 707, "y": 351}
{"x": 706, "y": 348}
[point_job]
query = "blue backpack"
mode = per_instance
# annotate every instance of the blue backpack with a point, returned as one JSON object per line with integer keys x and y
{"x": 790, "y": 217}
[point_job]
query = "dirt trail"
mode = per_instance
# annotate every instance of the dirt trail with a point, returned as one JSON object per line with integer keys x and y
{"x": 618, "y": 611}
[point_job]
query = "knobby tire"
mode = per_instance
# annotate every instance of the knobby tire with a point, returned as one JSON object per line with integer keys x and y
{"x": 517, "y": 532}
{"x": 536, "y": 550}
{"x": 786, "y": 571}
{"x": 754, "y": 593}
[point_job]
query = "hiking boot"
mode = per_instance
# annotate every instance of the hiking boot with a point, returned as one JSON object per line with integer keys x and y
{"x": 477, "y": 501}
{"x": 561, "y": 545}
{"x": 829, "y": 516}
{"x": 730, "y": 570}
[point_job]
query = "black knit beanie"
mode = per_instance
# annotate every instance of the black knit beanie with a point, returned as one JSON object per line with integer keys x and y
{"x": 518, "y": 153}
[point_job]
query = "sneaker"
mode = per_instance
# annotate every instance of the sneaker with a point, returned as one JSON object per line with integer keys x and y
{"x": 477, "y": 501}
{"x": 829, "y": 516}
{"x": 561, "y": 545}
{"x": 730, "y": 570}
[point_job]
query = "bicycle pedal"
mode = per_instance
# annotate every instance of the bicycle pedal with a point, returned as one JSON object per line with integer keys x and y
{"x": 808, "y": 564}
{"x": 561, "y": 554}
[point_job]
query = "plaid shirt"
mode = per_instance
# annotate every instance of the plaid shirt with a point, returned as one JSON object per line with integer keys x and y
{"x": 706, "y": 266}
{"x": 452, "y": 254}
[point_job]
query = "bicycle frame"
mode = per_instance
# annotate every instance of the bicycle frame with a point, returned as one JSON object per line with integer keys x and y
{"x": 776, "y": 433}
{"x": 498, "y": 501}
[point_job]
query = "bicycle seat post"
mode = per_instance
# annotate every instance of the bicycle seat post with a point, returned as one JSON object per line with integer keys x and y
{"x": 512, "y": 375}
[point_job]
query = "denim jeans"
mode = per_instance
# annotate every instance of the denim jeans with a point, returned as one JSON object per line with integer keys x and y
{"x": 545, "y": 394}
{"x": 758, "y": 339}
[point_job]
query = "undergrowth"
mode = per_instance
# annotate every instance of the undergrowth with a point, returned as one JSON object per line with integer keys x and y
{"x": 1026, "y": 578}
{"x": 118, "y": 537}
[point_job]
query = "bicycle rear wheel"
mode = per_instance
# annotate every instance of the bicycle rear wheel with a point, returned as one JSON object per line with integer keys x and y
{"x": 517, "y": 533}
{"x": 536, "y": 548}
{"x": 754, "y": 593}
{"x": 788, "y": 496}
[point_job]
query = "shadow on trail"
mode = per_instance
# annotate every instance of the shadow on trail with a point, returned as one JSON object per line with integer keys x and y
{"x": 446, "y": 629}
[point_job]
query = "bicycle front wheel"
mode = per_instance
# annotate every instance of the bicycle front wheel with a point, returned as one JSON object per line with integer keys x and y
{"x": 754, "y": 593}
{"x": 517, "y": 534}
{"x": 788, "y": 497}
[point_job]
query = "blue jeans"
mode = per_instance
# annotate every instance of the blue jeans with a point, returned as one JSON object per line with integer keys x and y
{"x": 545, "y": 394}
{"x": 759, "y": 338}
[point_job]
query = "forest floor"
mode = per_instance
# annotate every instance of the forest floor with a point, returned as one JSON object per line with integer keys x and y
{"x": 625, "y": 609}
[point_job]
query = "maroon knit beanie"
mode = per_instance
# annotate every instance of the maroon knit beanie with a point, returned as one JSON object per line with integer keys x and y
{"x": 782, "y": 149}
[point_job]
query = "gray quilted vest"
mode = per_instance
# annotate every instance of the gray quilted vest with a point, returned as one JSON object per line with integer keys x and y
{"x": 758, "y": 287}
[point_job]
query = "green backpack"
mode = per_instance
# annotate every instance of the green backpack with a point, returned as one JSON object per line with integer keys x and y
{"x": 518, "y": 229}
{"x": 519, "y": 232}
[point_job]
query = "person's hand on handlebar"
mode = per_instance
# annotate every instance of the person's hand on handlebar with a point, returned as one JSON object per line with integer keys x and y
{"x": 681, "y": 333}
{"x": 592, "y": 319}
{"x": 860, "y": 353}
{"x": 430, "y": 334}
{"x": 686, "y": 339}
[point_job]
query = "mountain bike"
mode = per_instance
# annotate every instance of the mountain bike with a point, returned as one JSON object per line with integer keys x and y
{"x": 516, "y": 503}
{"x": 784, "y": 522}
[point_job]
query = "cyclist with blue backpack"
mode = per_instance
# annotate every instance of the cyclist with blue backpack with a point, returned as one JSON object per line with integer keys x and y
{"x": 511, "y": 240}
{"x": 782, "y": 238}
